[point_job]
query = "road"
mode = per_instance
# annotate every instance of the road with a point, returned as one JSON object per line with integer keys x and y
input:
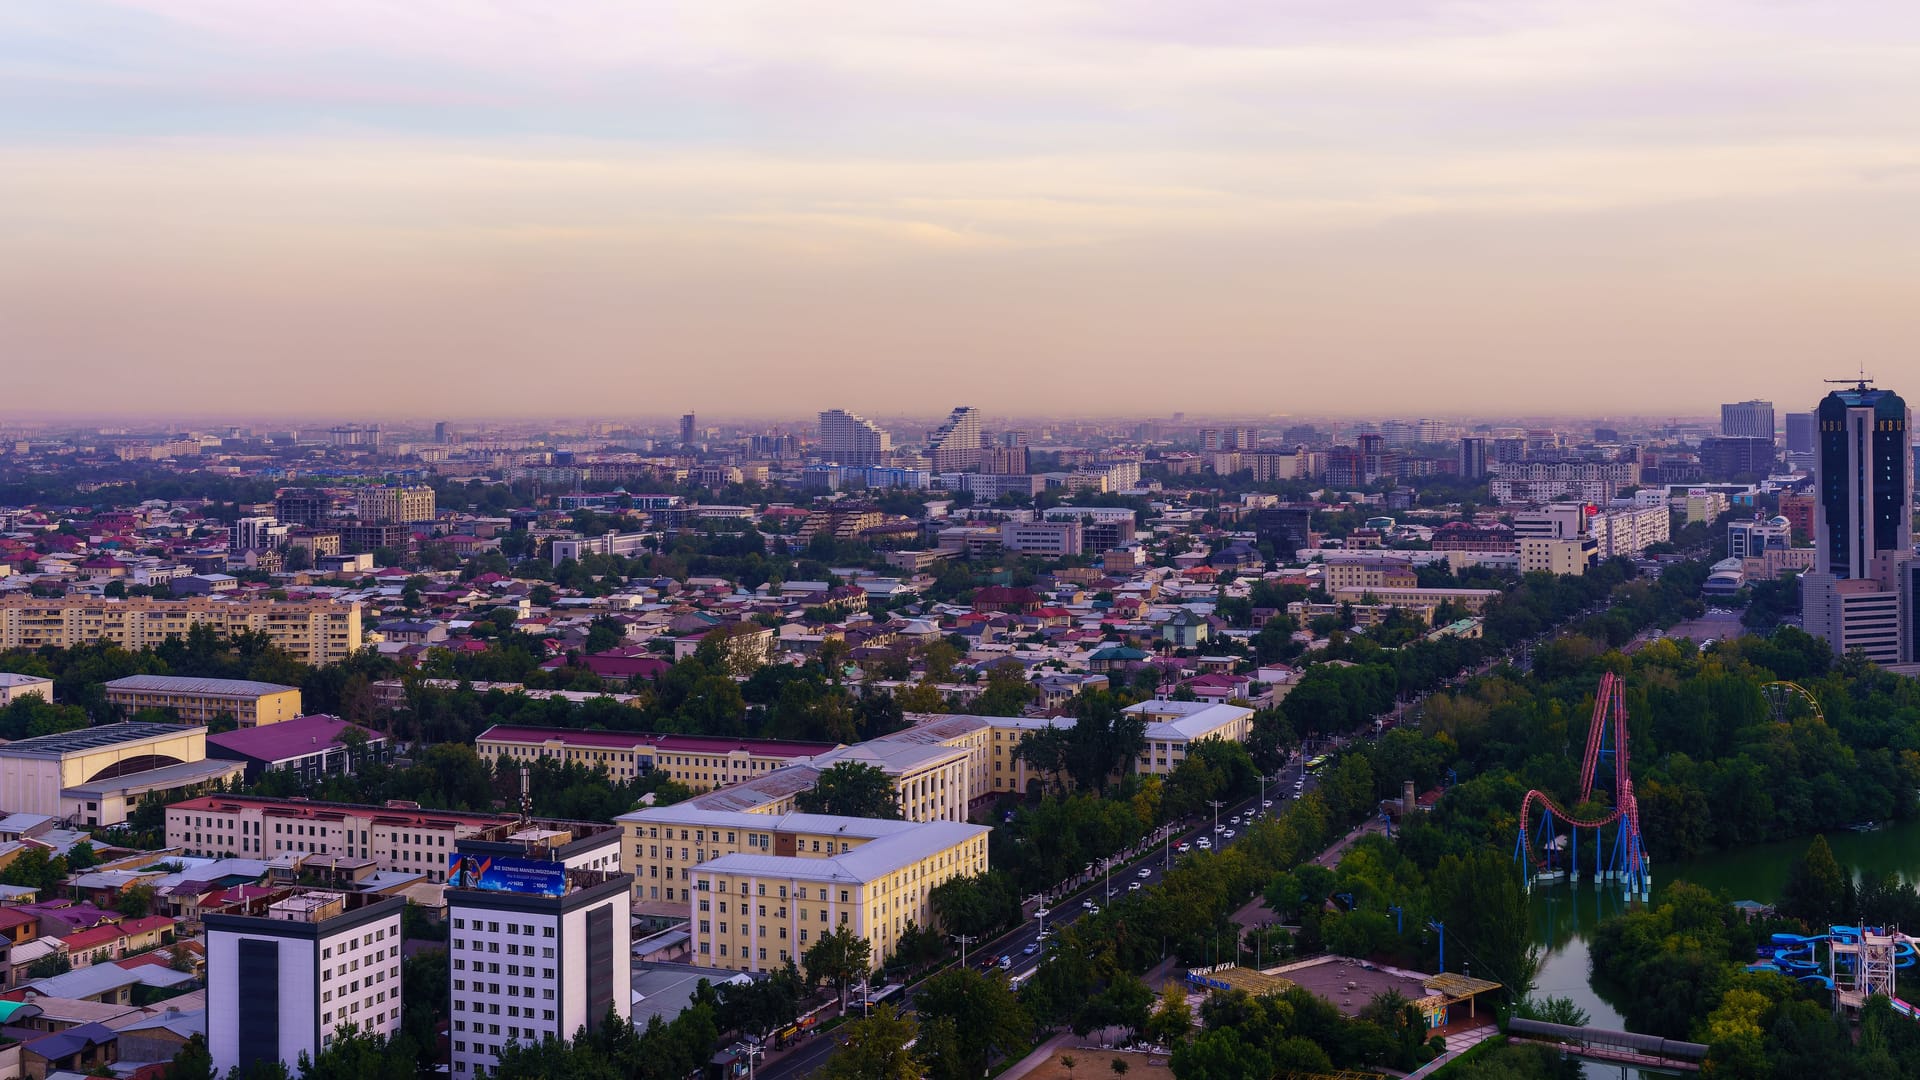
{"x": 1072, "y": 904}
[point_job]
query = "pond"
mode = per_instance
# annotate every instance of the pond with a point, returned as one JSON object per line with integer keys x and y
{"x": 1564, "y": 915}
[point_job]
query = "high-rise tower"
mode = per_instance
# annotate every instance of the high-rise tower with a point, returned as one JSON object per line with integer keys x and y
{"x": 1863, "y": 480}
{"x": 955, "y": 445}
{"x": 1859, "y": 597}
{"x": 852, "y": 440}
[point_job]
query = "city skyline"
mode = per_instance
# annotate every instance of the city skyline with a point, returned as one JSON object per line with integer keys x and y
{"x": 1411, "y": 208}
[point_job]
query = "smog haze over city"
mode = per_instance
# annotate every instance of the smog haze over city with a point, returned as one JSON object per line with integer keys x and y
{"x": 1509, "y": 207}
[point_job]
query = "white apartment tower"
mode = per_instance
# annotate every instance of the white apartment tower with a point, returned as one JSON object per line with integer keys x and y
{"x": 540, "y": 937}
{"x": 955, "y": 445}
{"x": 287, "y": 970}
{"x": 852, "y": 440}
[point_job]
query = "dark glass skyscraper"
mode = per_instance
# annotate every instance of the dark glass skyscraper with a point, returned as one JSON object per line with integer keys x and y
{"x": 1860, "y": 596}
{"x": 1864, "y": 476}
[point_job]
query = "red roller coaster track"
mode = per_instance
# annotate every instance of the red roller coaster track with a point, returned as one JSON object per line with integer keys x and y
{"x": 1629, "y": 862}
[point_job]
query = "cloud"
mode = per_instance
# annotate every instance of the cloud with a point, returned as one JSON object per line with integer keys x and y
{"x": 992, "y": 191}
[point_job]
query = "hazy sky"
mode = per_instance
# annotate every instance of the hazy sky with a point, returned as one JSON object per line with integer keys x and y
{"x": 561, "y": 206}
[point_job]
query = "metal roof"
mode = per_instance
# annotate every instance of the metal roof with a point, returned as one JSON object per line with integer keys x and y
{"x": 187, "y": 684}
{"x": 63, "y": 743}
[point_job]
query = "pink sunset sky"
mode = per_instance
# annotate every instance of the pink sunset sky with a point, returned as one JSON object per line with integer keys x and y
{"x": 1118, "y": 206}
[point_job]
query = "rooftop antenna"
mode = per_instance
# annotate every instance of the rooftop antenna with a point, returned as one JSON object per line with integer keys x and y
{"x": 1860, "y": 383}
{"x": 526, "y": 796}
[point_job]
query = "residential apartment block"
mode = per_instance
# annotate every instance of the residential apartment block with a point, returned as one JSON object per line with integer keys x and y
{"x": 395, "y": 504}
{"x": 316, "y": 632}
{"x": 404, "y": 838}
{"x": 1552, "y": 481}
{"x": 286, "y": 971}
{"x": 199, "y": 701}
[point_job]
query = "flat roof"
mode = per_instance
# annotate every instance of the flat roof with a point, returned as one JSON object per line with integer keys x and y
{"x": 423, "y": 818}
{"x": 288, "y": 738}
{"x": 636, "y": 740}
{"x": 63, "y": 743}
{"x": 868, "y": 862}
{"x": 187, "y": 684}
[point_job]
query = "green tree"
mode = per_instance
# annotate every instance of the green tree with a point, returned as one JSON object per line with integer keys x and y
{"x": 974, "y": 905}
{"x": 852, "y": 789}
{"x": 193, "y": 1062}
{"x": 354, "y": 1055}
{"x": 1817, "y": 890}
{"x": 1170, "y": 1023}
{"x": 1221, "y": 1054}
{"x": 876, "y": 1047}
{"x": 983, "y": 1009}
{"x": 839, "y": 957}
{"x": 134, "y": 901}
{"x": 1485, "y": 910}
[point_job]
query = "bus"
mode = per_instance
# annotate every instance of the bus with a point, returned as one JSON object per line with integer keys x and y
{"x": 1314, "y": 764}
{"x": 889, "y": 992}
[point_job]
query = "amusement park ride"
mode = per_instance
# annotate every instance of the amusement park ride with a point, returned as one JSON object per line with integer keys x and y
{"x": 1545, "y": 854}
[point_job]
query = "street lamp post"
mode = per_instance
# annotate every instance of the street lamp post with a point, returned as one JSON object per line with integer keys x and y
{"x": 964, "y": 940}
{"x": 1216, "y": 804}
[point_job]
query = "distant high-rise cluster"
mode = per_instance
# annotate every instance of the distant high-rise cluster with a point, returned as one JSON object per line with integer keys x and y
{"x": 687, "y": 429}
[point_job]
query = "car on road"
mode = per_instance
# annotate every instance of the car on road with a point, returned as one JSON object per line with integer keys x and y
{"x": 1030, "y": 949}
{"x": 1145, "y": 872}
{"x": 1218, "y": 829}
{"x": 1230, "y": 834}
{"x": 1006, "y": 962}
{"x": 1184, "y": 847}
{"x": 1266, "y": 804}
{"x": 1087, "y": 904}
{"x": 1203, "y": 843}
{"x": 1133, "y": 886}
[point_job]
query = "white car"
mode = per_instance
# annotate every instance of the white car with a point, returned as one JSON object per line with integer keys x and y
{"x": 1145, "y": 873}
{"x": 1184, "y": 847}
{"x": 1218, "y": 829}
{"x": 1230, "y": 834}
{"x": 1042, "y": 913}
{"x": 1266, "y": 804}
{"x": 1133, "y": 887}
{"x": 1203, "y": 844}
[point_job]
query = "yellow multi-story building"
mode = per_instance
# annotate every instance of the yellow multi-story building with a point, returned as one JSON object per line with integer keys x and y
{"x": 663, "y": 845}
{"x": 200, "y": 701}
{"x": 701, "y": 762}
{"x": 754, "y": 912}
{"x": 314, "y": 631}
{"x": 1473, "y": 600}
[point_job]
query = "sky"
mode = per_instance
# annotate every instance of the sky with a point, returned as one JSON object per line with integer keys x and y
{"x": 549, "y": 207}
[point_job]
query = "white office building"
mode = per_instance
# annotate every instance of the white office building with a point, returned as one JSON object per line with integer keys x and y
{"x": 286, "y": 971}
{"x": 1050, "y": 539}
{"x": 539, "y": 937}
